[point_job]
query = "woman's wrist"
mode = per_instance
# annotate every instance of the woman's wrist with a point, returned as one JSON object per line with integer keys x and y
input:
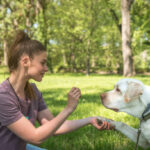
{"x": 91, "y": 119}
{"x": 69, "y": 110}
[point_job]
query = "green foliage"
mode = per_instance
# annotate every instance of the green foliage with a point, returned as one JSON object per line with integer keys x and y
{"x": 142, "y": 61}
{"x": 78, "y": 34}
{"x": 140, "y": 26}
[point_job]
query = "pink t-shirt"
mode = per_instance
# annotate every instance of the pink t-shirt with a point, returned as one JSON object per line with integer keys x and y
{"x": 11, "y": 110}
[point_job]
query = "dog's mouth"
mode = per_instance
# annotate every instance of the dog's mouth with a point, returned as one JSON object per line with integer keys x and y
{"x": 102, "y": 100}
{"x": 114, "y": 109}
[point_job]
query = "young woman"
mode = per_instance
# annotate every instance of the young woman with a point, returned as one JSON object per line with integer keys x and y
{"x": 21, "y": 103}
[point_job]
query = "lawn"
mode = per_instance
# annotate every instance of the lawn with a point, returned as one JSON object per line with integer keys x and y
{"x": 55, "y": 88}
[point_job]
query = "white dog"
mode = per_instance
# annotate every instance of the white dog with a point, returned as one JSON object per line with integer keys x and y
{"x": 130, "y": 96}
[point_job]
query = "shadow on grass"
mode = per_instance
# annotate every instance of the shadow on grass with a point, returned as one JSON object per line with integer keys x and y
{"x": 58, "y": 97}
{"x": 52, "y": 96}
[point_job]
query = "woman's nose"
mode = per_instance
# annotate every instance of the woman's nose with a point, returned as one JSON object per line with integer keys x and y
{"x": 46, "y": 68}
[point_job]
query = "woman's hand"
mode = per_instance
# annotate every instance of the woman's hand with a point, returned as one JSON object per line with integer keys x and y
{"x": 101, "y": 124}
{"x": 73, "y": 97}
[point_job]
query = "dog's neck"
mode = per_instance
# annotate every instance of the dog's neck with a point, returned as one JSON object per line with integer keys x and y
{"x": 145, "y": 97}
{"x": 135, "y": 111}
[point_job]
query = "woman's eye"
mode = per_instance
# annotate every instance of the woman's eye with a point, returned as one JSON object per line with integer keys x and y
{"x": 43, "y": 62}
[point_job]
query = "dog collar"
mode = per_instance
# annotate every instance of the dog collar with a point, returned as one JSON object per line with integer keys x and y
{"x": 146, "y": 114}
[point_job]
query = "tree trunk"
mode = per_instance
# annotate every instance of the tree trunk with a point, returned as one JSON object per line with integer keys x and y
{"x": 126, "y": 39}
{"x": 88, "y": 65}
{"x": 88, "y": 59}
{"x": 5, "y": 52}
{"x": 45, "y": 32}
{"x": 74, "y": 69}
{"x": 64, "y": 59}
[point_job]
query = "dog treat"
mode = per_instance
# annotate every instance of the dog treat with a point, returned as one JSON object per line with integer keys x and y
{"x": 99, "y": 122}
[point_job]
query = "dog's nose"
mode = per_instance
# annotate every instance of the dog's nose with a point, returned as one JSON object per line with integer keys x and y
{"x": 102, "y": 96}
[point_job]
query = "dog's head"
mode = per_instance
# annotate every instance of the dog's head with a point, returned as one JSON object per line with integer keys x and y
{"x": 125, "y": 97}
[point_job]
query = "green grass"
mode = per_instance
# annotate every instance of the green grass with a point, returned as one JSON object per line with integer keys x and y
{"x": 55, "y": 88}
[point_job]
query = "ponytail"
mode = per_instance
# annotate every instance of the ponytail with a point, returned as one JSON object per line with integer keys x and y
{"x": 23, "y": 45}
{"x": 29, "y": 91}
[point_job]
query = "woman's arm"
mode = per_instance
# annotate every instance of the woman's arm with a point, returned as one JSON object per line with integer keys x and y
{"x": 71, "y": 125}
{"x": 25, "y": 130}
{"x": 68, "y": 125}
{"x": 44, "y": 116}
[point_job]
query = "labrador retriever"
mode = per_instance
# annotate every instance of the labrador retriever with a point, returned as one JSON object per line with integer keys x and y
{"x": 130, "y": 96}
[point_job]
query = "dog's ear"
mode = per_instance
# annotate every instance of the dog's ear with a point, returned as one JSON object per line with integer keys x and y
{"x": 134, "y": 90}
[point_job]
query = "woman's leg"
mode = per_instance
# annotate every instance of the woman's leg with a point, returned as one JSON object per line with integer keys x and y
{"x": 32, "y": 147}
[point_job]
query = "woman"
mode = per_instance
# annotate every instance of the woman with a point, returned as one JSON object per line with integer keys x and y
{"x": 21, "y": 103}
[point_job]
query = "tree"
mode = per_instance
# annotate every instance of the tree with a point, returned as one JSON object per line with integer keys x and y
{"x": 80, "y": 35}
{"x": 43, "y": 10}
{"x": 15, "y": 16}
{"x": 126, "y": 39}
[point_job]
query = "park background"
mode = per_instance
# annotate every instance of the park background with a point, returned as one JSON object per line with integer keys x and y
{"x": 90, "y": 44}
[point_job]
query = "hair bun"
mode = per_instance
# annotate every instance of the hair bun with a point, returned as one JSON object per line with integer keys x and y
{"x": 21, "y": 36}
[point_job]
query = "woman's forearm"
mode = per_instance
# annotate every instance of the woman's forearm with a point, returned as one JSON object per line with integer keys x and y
{"x": 71, "y": 125}
{"x": 50, "y": 127}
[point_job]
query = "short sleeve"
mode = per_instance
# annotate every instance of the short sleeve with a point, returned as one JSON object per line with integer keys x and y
{"x": 41, "y": 102}
{"x": 9, "y": 110}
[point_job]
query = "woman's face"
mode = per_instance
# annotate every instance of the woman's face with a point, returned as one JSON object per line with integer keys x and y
{"x": 38, "y": 66}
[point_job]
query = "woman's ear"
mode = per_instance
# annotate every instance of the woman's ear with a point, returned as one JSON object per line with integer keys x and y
{"x": 133, "y": 91}
{"x": 25, "y": 61}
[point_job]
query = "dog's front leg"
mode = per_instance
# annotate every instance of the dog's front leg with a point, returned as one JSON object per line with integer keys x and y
{"x": 130, "y": 133}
